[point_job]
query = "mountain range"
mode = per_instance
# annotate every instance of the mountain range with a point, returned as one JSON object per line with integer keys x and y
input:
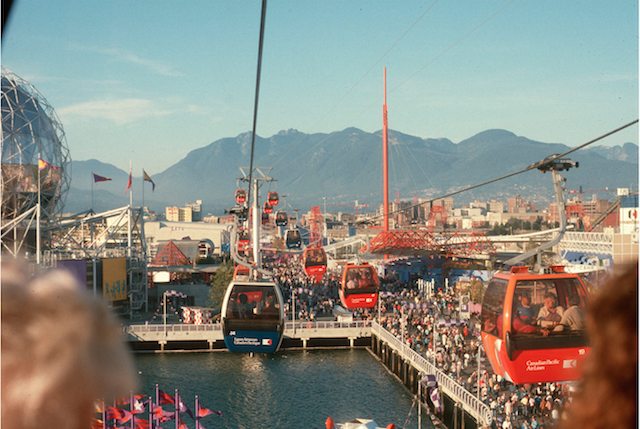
{"x": 346, "y": 166}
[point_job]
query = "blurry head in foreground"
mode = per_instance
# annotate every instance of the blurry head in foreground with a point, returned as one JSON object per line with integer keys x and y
{"x": 61, "y": 350}
{"x": 608, "y": 395}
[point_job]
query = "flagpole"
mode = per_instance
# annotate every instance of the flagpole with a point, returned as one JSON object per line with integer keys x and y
{"x": 131, "y": 408}
{"x": 177, "y": 410}
{"x": 151, "y": 413}
{"x": 142, "y": 191}
{"x": 92, "y": 180}
{"x": 39, "y": 214}
{"x": 130, "y": 208}
{"x": 197, "y": 412}
{"x": 157, "y": 402}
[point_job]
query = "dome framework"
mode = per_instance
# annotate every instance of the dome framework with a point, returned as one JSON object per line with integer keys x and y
{"x": 31, "y": 131}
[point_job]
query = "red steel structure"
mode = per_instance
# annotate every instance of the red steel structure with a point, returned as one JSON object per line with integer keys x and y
{"x": 422, "y": 243}
{"x": 385, "y": 158}
{"x": 315, "y": 227}
{"x": 431, "y": 221}
{"x": 579, "y": 210}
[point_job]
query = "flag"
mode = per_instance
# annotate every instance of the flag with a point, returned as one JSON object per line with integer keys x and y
{"x": 148, "y": 179}
{"x": 141, "y": 424}
{"x": 42, "y": 164}
{"x": 98, "y": 406}
{"x": 118, "y": 414}
{"x": 182, "y": 407}
{"x": 97, "y": 178}
{"x": 96, "y": 423}
{"x": 430, "y": 381}
{"x": 435, "y": 398}
{"x": 204, "y": 412}
{"x": 160, "y": 414}
{"x": 138, "y": 405}
{"x": 181, "y": 425}
{"x": 165, "y": 398}
{"x": 129, "y": 183}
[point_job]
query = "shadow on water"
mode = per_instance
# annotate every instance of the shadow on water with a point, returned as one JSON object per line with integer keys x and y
{"x": 290, "y": 389}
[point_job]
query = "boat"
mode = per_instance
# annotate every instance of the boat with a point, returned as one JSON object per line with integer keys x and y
{"x": 356, "y": 424}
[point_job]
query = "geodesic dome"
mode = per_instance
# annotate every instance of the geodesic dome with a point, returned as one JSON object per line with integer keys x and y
{"x": 31, "y": 131}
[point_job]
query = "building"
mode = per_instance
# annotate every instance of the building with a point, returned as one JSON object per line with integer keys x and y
{"x": 178, "y": 214}
{"x": 196, "y": 210}
{"x": 160, "y": 232}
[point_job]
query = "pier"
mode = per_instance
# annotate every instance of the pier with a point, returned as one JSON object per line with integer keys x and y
{"x": 462, "y": 409}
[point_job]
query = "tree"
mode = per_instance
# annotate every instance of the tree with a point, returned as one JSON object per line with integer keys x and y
{"x": 278, "y": 243}
{"x": 222, "y": 278}
{"x": 476, "y": 291}
{"x": 537, "y": 225}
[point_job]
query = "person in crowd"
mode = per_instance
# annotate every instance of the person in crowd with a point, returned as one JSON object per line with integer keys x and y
{"x": 608, "y": 397}
{"x": 61, "y": 350}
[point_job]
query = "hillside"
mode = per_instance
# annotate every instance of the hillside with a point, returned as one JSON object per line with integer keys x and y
{"x": 345, "y": 166}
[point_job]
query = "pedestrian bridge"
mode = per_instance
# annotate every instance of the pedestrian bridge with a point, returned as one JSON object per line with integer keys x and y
{"x": 211, "y": 333}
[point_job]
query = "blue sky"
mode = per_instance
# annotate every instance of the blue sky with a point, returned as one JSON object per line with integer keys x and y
{"x": 149, "y": 81}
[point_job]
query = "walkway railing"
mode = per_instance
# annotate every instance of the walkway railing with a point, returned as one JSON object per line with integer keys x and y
{"x": 470, "y": 403}
{"x": 588, "y": 242}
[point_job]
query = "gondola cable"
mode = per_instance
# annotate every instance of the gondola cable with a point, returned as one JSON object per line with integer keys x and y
{"x": 255, "y": 106}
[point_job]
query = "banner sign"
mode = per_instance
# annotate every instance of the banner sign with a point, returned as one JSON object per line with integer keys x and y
{"x": 77, "y": 268}
{"x": 114, "y": 279}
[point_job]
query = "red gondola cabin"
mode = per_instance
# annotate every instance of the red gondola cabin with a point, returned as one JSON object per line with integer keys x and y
{"x": 533, "y": 325}
{"x": 360, "y": 286}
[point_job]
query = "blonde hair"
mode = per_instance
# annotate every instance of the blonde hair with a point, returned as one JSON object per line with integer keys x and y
{"x": 61, "y": 350}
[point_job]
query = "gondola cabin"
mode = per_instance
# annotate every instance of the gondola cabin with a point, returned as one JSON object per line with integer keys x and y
{"x": 268, "y": 208}
{"x": 252, "y": 316}
{"x": 281, "y": 218}
{"x": 244, "y": 240}
{"x": 532, "y": 325}
{"x": 314, "y": 261}
{"x": 241, "y": 272}
{"x": 241, "y": 196}
{"x": 292, "y": 239}
{"x": 265, "y": 218}
{"x": 359, "y": 287}
{"x": 273, "y": 198}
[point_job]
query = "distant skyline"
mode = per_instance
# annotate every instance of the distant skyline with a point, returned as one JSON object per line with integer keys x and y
{"x": 149, "y": 81}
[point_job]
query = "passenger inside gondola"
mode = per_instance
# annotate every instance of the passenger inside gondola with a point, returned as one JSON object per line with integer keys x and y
{"x": 316, "y": 257}
{"x": 551, "y": 314}
{"x": 268, "y": 309}
{"x": 239, "y": 307}
{"x": 574, "y": 317}
{"x": 524, "y": 310}
{"x": 351, "y": 283}
{"x": 490, "y": 326}
{"x": 366, "y": 280}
